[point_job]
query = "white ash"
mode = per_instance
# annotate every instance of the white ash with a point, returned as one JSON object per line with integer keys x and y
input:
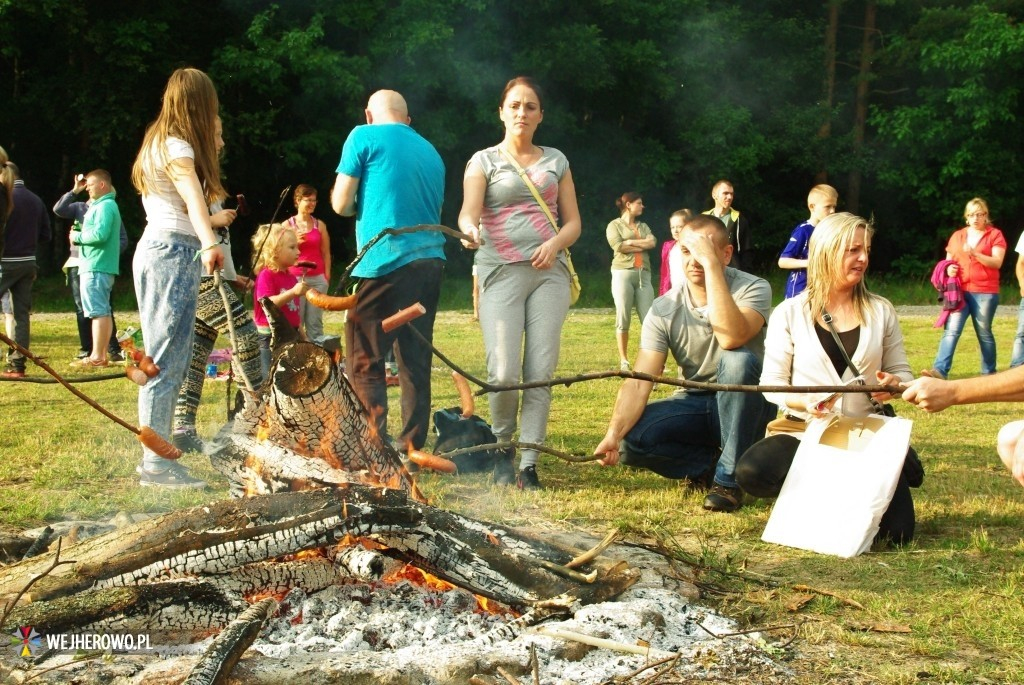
{"x": 405, "y": 625}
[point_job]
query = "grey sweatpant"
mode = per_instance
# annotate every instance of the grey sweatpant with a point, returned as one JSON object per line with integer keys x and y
{"x": 522, "y": 310}
{"x": 631, "y": 287}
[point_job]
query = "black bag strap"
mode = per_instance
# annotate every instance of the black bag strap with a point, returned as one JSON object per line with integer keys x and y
{"x": 827, "y": 318}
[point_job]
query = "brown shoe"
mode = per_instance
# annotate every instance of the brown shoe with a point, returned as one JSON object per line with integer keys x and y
{"x": 724, "y": 499}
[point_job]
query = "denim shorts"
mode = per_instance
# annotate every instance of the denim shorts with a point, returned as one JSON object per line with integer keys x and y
{"x": 95, "y": 287}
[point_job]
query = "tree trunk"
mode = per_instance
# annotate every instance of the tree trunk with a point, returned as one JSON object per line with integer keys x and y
{"x": 860, "y": 115}
{"x": 313, "y": 411}
{"x": 825, "y": 132}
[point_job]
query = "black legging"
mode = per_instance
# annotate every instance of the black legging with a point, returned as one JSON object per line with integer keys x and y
{"x": 762, "y": 469}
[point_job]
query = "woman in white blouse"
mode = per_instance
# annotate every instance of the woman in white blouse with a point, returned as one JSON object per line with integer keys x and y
{"x": 869, "y": 331}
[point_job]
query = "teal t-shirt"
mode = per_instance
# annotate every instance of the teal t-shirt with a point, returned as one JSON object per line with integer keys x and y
{"x": 100, "y": 238}
{"x": 401, "y": 183}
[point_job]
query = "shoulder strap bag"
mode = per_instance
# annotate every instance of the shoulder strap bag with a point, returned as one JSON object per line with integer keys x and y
{"x": 574, "y": 279}
{"x": 913, "y": 469}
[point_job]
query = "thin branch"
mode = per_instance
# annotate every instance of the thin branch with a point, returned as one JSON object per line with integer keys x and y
{"x": 654, "y": 664}
{"x": 9, "y": 607}
{"x": 74, "y": 662}
{"x": 486, "y": 387}
{"x": 67, "y": 379}
{"x": 683, "y": 383}
{"x": 596, "y": 550}
{"x": 571, "y": 458}
{"x": 511, "y": 679}
{"x": 550, "y": 631}
{"x": 347, "y": 274}
{"x": 765, "y": 629}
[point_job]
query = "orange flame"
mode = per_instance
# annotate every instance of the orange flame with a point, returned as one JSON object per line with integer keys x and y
{"x": 418, "y": 576}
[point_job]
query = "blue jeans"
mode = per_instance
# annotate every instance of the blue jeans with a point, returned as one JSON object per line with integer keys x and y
{"x": 1018, "y": 339}
{"x": 981, "y": 307}
{"x": 167, "y": 286}
{"x": 312, "y": 317}
{"x": 680, "y": 437}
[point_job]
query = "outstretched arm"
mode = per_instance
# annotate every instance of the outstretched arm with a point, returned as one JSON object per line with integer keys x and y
{"x": 935, "y": 394}
{"x": 629, "y": 405}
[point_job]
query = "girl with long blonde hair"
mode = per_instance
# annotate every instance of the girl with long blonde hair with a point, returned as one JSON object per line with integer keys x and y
{"x": 178, "y": 175}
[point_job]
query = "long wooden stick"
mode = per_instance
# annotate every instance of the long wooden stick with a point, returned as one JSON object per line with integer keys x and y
{"x": 68, "y": 379}
{"x": 147, "y": 436}
{"x": 565, "y": 456}
{"x": 486, "y": 387}
{"x": 75, "y": 391}
{"x": 583, "y": 638}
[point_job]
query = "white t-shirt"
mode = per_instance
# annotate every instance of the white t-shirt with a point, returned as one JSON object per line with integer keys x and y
{"x": 165, "y": 208}
{"x": 1020, "y": 245}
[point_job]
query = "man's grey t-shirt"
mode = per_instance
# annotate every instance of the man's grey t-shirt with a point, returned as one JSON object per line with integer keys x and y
{"x": 674, "y": 325}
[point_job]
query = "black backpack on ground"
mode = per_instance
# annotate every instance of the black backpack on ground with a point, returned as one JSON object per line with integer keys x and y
{"x": 456, "y": 432}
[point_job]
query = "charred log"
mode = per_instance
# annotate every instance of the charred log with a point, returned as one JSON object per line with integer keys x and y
{"x": 313, "y": 412}
{"x": 486, "y": 559}
{"x": 224, "y": 652}
{"x": 182, "y": 605}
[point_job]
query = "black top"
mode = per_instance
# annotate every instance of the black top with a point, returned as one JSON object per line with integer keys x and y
{"x": 850, "y": 340}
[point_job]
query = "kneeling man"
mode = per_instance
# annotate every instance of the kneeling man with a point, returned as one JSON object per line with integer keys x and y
{"x": 713, "y": 323}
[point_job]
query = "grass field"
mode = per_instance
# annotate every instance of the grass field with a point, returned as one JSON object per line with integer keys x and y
{"x": 958, "y": 589}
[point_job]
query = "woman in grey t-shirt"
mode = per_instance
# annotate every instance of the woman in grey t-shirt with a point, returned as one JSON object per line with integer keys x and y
{"x": 520, "y": 260}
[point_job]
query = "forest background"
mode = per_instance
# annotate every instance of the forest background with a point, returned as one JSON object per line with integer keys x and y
{"x": 908, "y": 107}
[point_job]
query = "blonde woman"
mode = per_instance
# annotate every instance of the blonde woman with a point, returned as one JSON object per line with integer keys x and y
{"x": 631, "y": 241}
{"x": 869, "y": 331}
{"x": 978, "y": 248}
{"x": 177, "y": 173}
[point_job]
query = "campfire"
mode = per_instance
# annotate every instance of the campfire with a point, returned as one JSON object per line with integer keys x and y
{"x": 330, "y": 547}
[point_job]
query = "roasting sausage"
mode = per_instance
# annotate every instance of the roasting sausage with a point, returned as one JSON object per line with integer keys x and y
{"x": 152, "y": 440}
{"x": 402, "y": 317}
{"x": 426, "y": 460}
{"x": 149, "y": 367}
{"x": 136, "y": 375}
{"x": 465, "y": 394}
{"x": 331, "y": 303}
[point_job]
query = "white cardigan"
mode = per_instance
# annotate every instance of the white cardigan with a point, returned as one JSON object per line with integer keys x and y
{"x": 793, "y": 354}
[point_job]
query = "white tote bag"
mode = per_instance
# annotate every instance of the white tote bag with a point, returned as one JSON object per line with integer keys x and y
{"x": 841, "y": 482}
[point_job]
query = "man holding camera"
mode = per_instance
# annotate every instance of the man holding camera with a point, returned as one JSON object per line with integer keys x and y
{"x": 98, "y": 239}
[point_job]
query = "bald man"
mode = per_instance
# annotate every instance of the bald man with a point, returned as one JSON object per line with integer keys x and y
{"x": 390, "y": 177}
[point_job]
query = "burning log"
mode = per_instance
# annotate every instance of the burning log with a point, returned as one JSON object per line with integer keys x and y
{"x": 314, "y": 414}
{"x": 213, "y": 539}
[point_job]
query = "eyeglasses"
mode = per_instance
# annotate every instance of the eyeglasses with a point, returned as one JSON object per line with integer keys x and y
{"x": 977, "y": 215}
